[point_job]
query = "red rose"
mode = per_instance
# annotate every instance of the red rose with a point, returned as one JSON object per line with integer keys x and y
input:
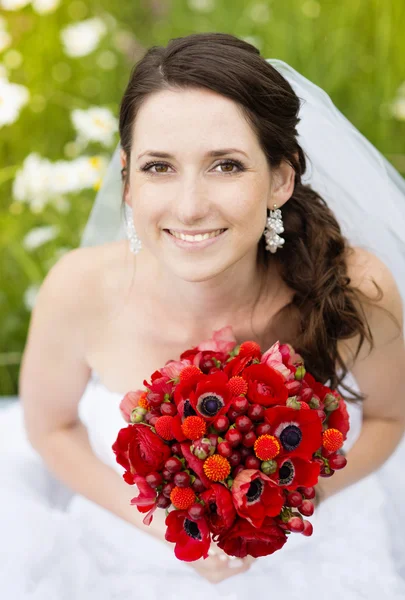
{"x": 220, "y": 509}
{"x": 236, "y": 366}
{"x": 243, "y": 539}
{"x": 299, "y": 431}
{"x": 192, "y": 538}
{"x": 139, "y": 450}
{"x": 265, "y": 385}
{"x": 256, "y": 496}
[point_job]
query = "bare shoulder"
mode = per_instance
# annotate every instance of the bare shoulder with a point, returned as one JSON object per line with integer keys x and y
{"x": 369, "y": 274}
{"x": 380, "y": 300}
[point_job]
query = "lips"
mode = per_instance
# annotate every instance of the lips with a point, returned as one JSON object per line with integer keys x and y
{"x": 197, "y": 237}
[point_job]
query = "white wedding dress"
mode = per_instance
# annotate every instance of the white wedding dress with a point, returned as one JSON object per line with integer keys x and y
{"x": 56, "y": 545}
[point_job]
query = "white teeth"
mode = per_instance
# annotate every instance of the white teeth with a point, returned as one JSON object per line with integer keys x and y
{"x": 196, "y": 238}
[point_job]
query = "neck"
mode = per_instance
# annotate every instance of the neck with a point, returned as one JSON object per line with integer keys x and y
{"x": 199, "y": 308}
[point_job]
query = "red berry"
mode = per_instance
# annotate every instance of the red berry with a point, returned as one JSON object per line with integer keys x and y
{"x": 196, "y": 511}
{"x": 337, "y": 462}
{"x": 306, "y": 395}
{"x": 294, "y": 499}
{"x": 176, "y": 449}
{"x": 236, "y": 470}
{"x": 167, "y": 408}
{"x": 221, "y": 423}
{"x": 307, "y": 492}
{"x": 213, "y": 438}
{"x": 263, "y": 429}
{"x": 173, "y": 465}
{"x": 225, "y": 449}
{"x": 198, "y": 486}
{"x": 243, "y": 423}
{"x": 182, "y": 479}
{"x": 153, "y": 420}
{"x": 296, "y": 525}
{"x": 232, "y": 414}
{"x": 234, "y": 437}
{"x": 240, "y": 404}
{"x": 167, "y": 489}
{"x": 252, "y": 462}
{"x": 235, "y": 458}
{"x": 245, "y": 452}
{"x": 152, "y": 413}
{"x": 163, "y": 501}
{"x": 324, "y": 473}
{"x": 307, "y": 508}
{"x": 154, "y": 400}
{"x": 308, "y": 529}
{"x": 293, "y": 387}
{"x": 154, "y": 479}
{"x": 256, "y": 412}
{"x": 321, "y": 414}
{"x": 249, "y": 439}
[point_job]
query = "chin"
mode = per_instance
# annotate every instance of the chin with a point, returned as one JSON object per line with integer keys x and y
{"x": 195, "y": 273}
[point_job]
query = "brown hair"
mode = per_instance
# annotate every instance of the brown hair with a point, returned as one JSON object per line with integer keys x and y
{"x": 313, "y": 261}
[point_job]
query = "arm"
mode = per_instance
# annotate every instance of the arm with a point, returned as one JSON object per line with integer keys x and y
{"x": 53, "y": 377}
{"x": 380, "y": 375}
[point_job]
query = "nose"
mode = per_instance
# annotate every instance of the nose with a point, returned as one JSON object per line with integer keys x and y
{"x": 191, "y": 202}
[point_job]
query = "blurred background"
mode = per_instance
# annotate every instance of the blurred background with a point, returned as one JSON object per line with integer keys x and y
{"x": 64, "y": 65}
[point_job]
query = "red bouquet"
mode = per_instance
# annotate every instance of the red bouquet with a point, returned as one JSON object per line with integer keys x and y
{"x": 231, "y": 442}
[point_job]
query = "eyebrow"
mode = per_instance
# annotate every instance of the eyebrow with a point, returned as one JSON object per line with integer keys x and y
{"x": 211, "y": 153}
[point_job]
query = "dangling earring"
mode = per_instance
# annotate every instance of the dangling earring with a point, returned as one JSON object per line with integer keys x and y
{"x": 134, "y": 241}
{"x": 273, "y": 227}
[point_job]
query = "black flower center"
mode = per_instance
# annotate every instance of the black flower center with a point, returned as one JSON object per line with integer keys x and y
{"x": 286, "y": 473}
{"x": 213, "y": 507}
{"x": 291, "y": 437}
{"x": 188, "y": 409}
{"x": 255, "y": 490}
{"x": 191, "y": 528}
{"x": 209, "y": 405}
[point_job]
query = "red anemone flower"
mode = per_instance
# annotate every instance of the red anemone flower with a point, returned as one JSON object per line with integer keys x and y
{"x": 221, "y": 512}
{"x": 192, "y": 538}
{"x": 299, "y": 431}
{"x": 243, "y": 539}
{"x": 256, "y": 496}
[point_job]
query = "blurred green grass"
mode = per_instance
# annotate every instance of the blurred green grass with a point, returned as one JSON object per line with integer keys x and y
{"x": 353, "y": 49}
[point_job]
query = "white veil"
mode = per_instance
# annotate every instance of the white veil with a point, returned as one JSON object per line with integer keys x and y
{"x": 367, "y": 196}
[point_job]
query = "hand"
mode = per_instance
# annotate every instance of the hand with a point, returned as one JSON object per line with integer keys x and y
{"x": 219, "y": 566}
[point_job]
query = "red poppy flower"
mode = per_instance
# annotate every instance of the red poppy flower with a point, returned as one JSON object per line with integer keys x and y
{"x": 237, "y": 365}
{"x": 139, "y": 450}
{"x": 299, "y": 431}
{"x": 266, "y": 385}
{"x": 221, "y": 511}
{"x": 256, "y": 496}
{"x": 243, "y": 539}
{"x": 192, "y": 538}
{"x": 211, "y": 396}
{"x": 294, "y": 471}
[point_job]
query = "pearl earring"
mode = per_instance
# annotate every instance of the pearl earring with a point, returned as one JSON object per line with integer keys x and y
{"x": 274, "y": 226}
{"x": 134, "y": 241}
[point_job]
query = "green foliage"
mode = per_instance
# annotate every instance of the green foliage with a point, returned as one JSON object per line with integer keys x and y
{"x": 353, "y": 49}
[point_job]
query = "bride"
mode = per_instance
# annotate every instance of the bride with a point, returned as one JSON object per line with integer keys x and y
{"x": 213, "y": 138}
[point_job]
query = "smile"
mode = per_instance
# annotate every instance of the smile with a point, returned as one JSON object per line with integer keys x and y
{"x": 195, "y": 242}
{"x": 196, "y": 238}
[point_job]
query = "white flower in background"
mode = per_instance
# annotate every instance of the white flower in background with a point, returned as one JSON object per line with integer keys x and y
{"x": 90, "y": 170}
{"x": 398, "y": 109}
{"x": 39, "y": 236}
{"x": 201, "y": 5}
{"x": 82, "y": 38}
{"x": 13, "y": 4}
{"x": 5, "y": 40}
{"x": 95, "y": 125}
{"x": 40, "y": 182}
{"x": 30, "y": 296}
{"x": 32, "y": 182}
{"x": 43, "y": 7}
{"x": 12, "y": 98}
{"x": 3, "y": 72}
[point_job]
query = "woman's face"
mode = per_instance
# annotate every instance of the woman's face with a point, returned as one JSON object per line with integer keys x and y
{"x": 192, "y": 192}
